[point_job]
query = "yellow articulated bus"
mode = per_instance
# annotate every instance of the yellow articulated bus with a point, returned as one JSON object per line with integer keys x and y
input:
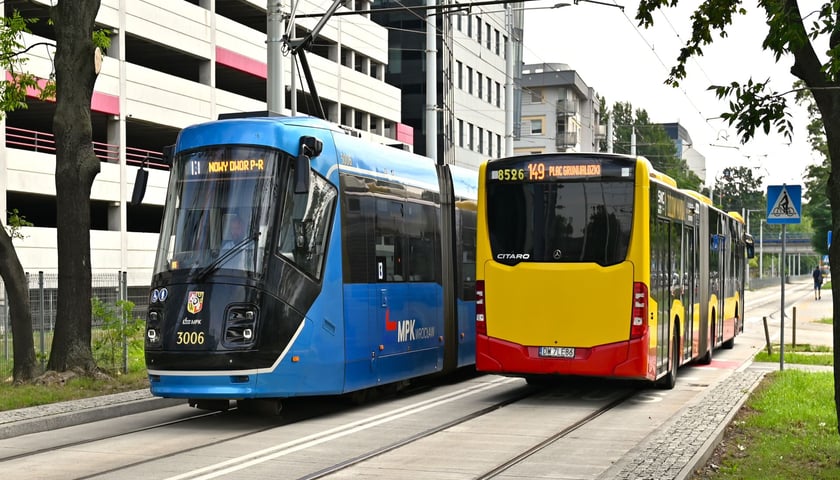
{"x": 598, "y": 265}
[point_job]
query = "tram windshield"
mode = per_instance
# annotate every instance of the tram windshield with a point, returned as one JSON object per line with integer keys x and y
{"x": 219, "y": 206}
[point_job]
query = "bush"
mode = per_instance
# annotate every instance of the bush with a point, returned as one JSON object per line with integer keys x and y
{"x": 116, "y": 332}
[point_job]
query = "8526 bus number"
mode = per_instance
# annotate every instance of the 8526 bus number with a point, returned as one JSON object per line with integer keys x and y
{"x": 189, "y": 338}
{"x": 509, "y": 174}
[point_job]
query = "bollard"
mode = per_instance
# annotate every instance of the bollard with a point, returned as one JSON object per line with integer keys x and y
{"x": 767, "y": 337}
{"x": 793, "y": 336}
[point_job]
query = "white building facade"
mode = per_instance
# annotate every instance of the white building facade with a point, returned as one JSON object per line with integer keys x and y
{"x": 559, "y": 111}
{"x": 173, "y": 63}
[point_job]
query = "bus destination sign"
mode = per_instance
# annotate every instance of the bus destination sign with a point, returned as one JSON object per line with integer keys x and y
{"x": 536, "y": 171}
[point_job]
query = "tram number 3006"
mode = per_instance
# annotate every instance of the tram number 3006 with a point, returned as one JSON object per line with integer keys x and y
{"x": 557, "y": 352}
{"x": 190, "y": 338}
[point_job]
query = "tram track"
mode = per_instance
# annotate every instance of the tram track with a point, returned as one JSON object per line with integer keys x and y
{"x": 529, "y": 392}
{"x": 794, "y": 293}
{"x": 101, "y": 438}
{"x": 512, "y": 462}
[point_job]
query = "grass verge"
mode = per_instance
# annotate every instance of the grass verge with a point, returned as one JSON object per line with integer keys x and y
{"x": 786, "y": 430}
{"x": 802, "y": 354}
{"x": 30, "y": 395}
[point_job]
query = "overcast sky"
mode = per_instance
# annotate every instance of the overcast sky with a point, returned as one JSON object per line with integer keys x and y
{"x": 626, "y": 63}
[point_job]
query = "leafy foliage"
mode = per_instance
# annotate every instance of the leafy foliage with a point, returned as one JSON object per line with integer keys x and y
{"x": 737, "y": 188}
{"x": 652, "y": 142}
{"x": 13, "y": 92}
{"x": 117, "y": 326}
{"x": 15, "y": 221}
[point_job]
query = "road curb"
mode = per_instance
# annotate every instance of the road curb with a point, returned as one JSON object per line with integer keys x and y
{"x": 705, "y": 452}
{"x": 51, "y": 420}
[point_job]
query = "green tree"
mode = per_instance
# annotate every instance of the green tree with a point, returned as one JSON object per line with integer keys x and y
{"x": 76, "y": 166}
{"x": 13, "y": 97}
{"x": 753, "y": 105}
{"x": 737, "y": 188}
{"x": 652, "y": 142}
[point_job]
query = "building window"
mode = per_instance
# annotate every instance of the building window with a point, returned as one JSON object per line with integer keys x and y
{"x": 480, "y": 140}
{"x": 460, "y": 75}
{"x": 498, "y": 42}
{"x": 469, "y": 26}
{"x": 480, "y": 85}
{"x": 489, "y": 90}
{"x": 498, "y": 94}
{"x": 461, "y": 133}
{"x": 478, "y": 29}
{"x": 489, "y": 38}
{"x": 469, "y": 80}
{"x": 489, "y": 143}
{"x": 536, "y": 95}
{"x": 499, "y": 144}
{"x": 533, "y": 126}
{"x": 472, "y": 137}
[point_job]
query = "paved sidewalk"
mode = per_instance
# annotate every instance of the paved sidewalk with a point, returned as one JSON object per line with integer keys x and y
{"x": 687, "y": 442}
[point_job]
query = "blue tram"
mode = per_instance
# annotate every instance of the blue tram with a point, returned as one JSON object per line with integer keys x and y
{"x": 297, "y": 259}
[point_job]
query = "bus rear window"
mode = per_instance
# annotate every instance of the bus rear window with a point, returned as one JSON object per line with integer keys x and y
{"x": 572, "y": 221}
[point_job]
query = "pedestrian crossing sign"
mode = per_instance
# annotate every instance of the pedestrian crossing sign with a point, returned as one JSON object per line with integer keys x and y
{"x": 784, "y": 204}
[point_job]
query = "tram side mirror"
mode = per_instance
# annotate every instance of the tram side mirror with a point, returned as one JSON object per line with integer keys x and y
{"x": 142, "y": 177}
{"x": 140, "y": 181}
{"x": 748, "y": 240}
{"x": 310, "y": 147}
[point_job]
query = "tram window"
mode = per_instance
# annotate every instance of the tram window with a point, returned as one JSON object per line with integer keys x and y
{"x": 305, "y": 223}
{"x": 466, "y": 231}
{"x": 389, "y": 238}
{"x": 421, "y": 232}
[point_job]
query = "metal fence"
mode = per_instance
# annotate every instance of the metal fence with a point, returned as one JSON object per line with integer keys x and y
{"x": 116, "y": 346}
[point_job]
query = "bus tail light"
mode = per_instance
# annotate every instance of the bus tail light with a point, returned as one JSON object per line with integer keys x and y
{"x": 480, "y": 324}
{"x": 638, "y": 322}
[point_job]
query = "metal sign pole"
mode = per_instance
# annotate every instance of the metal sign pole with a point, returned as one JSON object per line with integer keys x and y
{"x": 784, "y": 204}
{"x": 782, "y": 270}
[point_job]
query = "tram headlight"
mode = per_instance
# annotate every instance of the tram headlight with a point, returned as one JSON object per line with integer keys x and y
{"x": 153, "y": 321}
{"x": 240, "y": 326}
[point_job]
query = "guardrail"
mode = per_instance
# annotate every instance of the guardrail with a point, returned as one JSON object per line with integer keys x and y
{"x": 33, "y": 140}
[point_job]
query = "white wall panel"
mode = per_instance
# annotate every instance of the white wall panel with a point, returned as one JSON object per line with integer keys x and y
{"x": 178, "y": 25}
{"x": 165, "y": 99}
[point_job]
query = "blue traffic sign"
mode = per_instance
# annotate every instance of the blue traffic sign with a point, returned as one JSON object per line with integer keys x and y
{"x": 784, "y": 204}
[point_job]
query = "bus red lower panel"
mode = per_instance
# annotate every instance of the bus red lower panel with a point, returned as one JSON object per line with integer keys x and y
{"x": 622, "y": 359}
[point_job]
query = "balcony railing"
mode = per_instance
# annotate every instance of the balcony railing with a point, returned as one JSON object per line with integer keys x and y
{"x": 566, "y": 139}
{"x": 44, "y": 142}
{"x": 567, "y": 108}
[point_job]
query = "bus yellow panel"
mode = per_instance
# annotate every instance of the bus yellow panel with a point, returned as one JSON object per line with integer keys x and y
{"x": 539, "y": 304}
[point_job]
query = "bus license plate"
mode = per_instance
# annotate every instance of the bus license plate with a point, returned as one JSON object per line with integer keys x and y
{"x": 557, "y": 352}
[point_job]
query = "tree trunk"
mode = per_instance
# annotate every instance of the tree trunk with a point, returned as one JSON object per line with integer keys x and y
{"x": 25, "y": 364}
{"x": 829, "y": 104}
{"x": 75, "y": 168}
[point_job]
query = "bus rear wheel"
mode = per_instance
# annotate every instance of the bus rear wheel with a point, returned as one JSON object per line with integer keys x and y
{"x": 670, "y": 379}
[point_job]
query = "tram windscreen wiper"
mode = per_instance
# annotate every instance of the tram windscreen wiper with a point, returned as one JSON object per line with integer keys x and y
{"x": 227, "y": 254}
